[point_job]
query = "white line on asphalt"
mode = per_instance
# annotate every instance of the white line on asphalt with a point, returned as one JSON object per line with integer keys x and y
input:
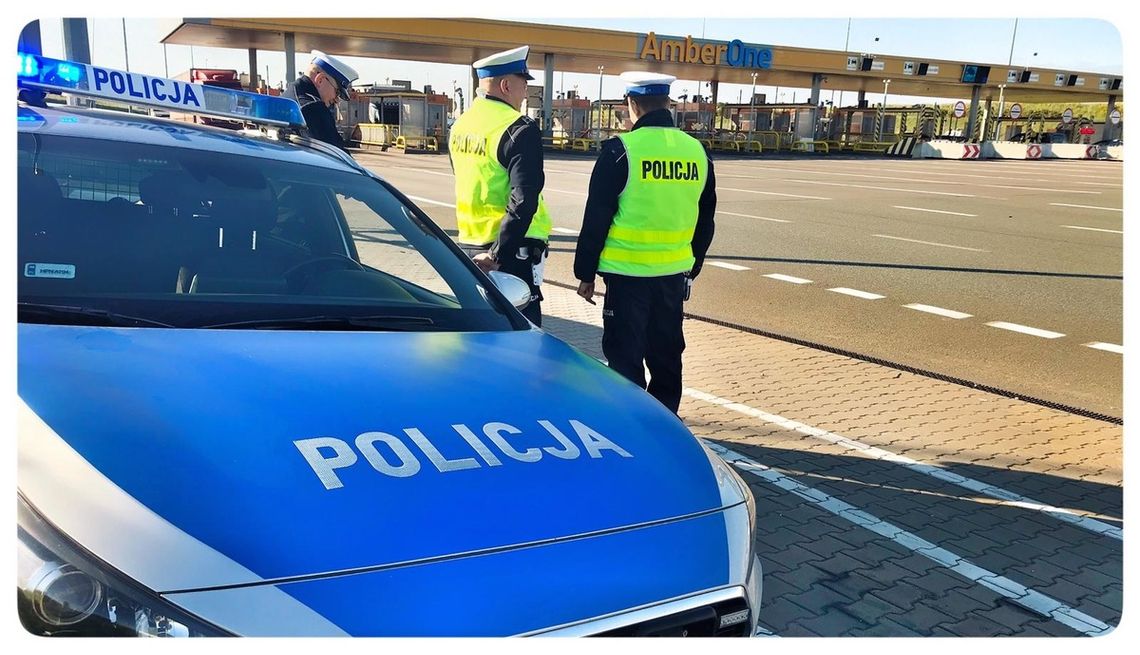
{"x": 1005, "y": 497}
{"x": 857, "y": 293}
{"x": 556, "y": 170}
{"x": 1110, "y": 209}
{"x": 573, "y": 193}
{"x": 1028, "y": 598}
{"x": 759, "y": 218}
{"x": 564, "y": 230}
{"x": 1118, "y": 186}
{"x": 886, "y": 188}
{"x": 931, "y": 309}
{"x": 933, "y": 211}
{"x": 430, "y": 201}
{"x": 1091, "y": 229}
{"x": 832, "y": 173}
{"x": 927, "y": 243}
{"x": 731, "y": 267}
{"x": 421, "y": 170}
{"x": 1025, "y": 329}
{"x": 788, "y": 278}
{"x": 771, "y": 193}
{"x": 1110, "y": 347}
{"x": 1034, "y": 188}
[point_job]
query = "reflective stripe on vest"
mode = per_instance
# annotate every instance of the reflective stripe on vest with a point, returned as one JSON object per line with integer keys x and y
{"x": 652, "y": 232}
{"x": 482, "y": 185}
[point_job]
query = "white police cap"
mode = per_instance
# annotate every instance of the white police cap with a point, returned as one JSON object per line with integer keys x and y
{"x": 337, "y": 69}
{"x": 645, "y": 83}
{"x": 507, "y": 62}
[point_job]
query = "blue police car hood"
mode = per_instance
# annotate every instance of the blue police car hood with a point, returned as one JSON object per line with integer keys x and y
{"x": 292, "y": 455}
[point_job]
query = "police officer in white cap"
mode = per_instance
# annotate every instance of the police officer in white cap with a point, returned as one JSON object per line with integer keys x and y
{"x": 317, "y": 92}
{"x": 496, "y": 154}
{"x": 647, "y": 226}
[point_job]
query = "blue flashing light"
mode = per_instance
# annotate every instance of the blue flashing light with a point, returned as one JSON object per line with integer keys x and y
{"x": 46, "y": 74}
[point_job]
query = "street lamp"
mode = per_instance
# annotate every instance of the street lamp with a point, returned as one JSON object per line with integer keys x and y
{"x": 598, "y": 135}
{"x": 752, "y": 107}
{"x": 883, "y": 111}
{"x": 1001, "y": 100}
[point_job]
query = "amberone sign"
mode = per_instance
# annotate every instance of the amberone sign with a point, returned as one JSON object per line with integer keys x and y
{"x": 735, "y": 53}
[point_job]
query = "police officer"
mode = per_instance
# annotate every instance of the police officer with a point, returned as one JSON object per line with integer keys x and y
{"x": 317, "y": 91}
{"x": 496, "y": 154}
{"x": 647, "y": 226}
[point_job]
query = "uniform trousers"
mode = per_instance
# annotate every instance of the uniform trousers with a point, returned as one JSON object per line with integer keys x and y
{"x": 642, "y": 328}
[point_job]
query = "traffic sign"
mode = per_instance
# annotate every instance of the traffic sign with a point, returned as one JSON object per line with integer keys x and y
{"x": 971, "y": 151}
{"x": 1114, "y": 117}
{"x": 959, "y": 109}
{"x": 1067, "y": 116}
{"x": 1033, "y": 151}
{"x": 1015, "y": 110}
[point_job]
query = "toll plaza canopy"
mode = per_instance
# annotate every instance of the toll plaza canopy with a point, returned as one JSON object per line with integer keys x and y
{"x": 583, "y": 50}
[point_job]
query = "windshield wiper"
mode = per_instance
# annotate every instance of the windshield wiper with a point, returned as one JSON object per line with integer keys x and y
{"x": 84, "y": 315}
{"x": 379, "y": 322}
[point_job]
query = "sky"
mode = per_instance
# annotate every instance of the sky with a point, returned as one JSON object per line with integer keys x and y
{"x": 1086, "y": 44}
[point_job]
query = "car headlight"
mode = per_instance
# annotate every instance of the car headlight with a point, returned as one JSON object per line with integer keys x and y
{"x": 63, "y": 590}
{"x": 733, "y": 488}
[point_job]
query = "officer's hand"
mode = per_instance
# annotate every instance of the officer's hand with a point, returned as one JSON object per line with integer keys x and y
{"x": 485, "y": 263}
{"x": 586, "y": 290}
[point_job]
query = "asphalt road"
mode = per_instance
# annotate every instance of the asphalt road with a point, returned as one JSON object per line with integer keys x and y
{"x": 1001, "y": 273}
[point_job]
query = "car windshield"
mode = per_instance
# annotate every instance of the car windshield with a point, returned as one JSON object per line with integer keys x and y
{"x": 131, "y": 234}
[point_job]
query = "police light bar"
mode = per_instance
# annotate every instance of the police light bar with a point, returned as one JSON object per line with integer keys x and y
{"x": 59, "y": 76}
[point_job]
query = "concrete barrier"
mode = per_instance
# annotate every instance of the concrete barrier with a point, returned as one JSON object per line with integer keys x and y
{"x": 1013, "y": 150}
{"x": 1003, "y": 150}
{"x": 946, "y": 150}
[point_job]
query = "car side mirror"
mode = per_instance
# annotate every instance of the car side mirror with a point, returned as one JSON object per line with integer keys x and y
{"x": 516, "y": 291}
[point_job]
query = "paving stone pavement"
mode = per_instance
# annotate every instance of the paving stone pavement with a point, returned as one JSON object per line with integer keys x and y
{"x": 815, "y": 417}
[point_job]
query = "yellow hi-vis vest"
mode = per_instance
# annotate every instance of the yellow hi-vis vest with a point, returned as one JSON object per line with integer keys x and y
{"x": 652, "y": 232}
{"x": 482, "y": 184}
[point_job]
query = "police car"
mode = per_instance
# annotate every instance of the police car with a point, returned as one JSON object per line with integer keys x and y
{"x": 261, "y": 393}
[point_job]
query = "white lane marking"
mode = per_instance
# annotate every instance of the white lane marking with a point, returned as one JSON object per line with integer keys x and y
{"x": 866, "y": 295}
{"x": 933, "y": 211}
{"x": 759, "y": 218}
{"x": 421, "y": 170}
{"x": 833, "y": 173}
{"x": 430, "y": 201}
{"x": 771, "y": 193}
{"x": 788, "y": 278}
{"x": 1061, "y": 204}
{"x": 1118, "y": 186}
{"x": 573, "y": 193}
{"x": 564, "y": 230}
{"x": 1110, "y": 347}
{"x": 557, "y": 170}
{"x": 1004, "y": 496}
{"x": 931, "y": 309}
{"x": 928, "y": 243}
{"x": 1034, "y": 188}
{"x": 1025, "y": 329}
{"x": 731, "y": 267}
{"x": 1028, "y": 598}
{"x": 1091, "y": 229}
{"x": 886, "y": 188}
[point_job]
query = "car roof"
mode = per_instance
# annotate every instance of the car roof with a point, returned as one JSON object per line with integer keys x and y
{"x": 164, "y": 132}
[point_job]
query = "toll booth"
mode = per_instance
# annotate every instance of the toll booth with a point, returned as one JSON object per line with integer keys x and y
{"x": 775, "y": 125}
{"x": 615, "y": 118}
{"x": 403, "y": 118}
{"x": 696, "y": 117}
{"x": 850, "y": 125}
{"x": 571, "y": 118}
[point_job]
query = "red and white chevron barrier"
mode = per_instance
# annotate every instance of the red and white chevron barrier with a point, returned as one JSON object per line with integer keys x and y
{"x": 1090, "y": 152}
{"x": 1033, "y": 151}
{"x": 971, "y": 151}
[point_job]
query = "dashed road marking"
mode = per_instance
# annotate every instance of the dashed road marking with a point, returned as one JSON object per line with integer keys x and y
{"x": 759, "y": 218}
{"x": 930, "y": 309}
{"x": 1108, "y": 209}
{"x": 1017, "y": 593}
{"x": 1092, "y": 229}
{"x": 564, "y": 230}
{"x": 1037, "y": 188}
{"x": 1004, "y": 496}
{"x": 933, "y": 211}
{"x": 788, "y": 278}
{"x": 573, "y": 193}
{"x": 1025, "y": 329}
{"x": 430, "y": 201}
{"x": 866, "y": 295}
{"x": 421, "y": 170}
{"x": 731, "y": 267}
{"x": 772, "y": 193}
{"x": 885, "y": 188}
{"x": 928, "y": 243}
{"x": 1110, "y": 347}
